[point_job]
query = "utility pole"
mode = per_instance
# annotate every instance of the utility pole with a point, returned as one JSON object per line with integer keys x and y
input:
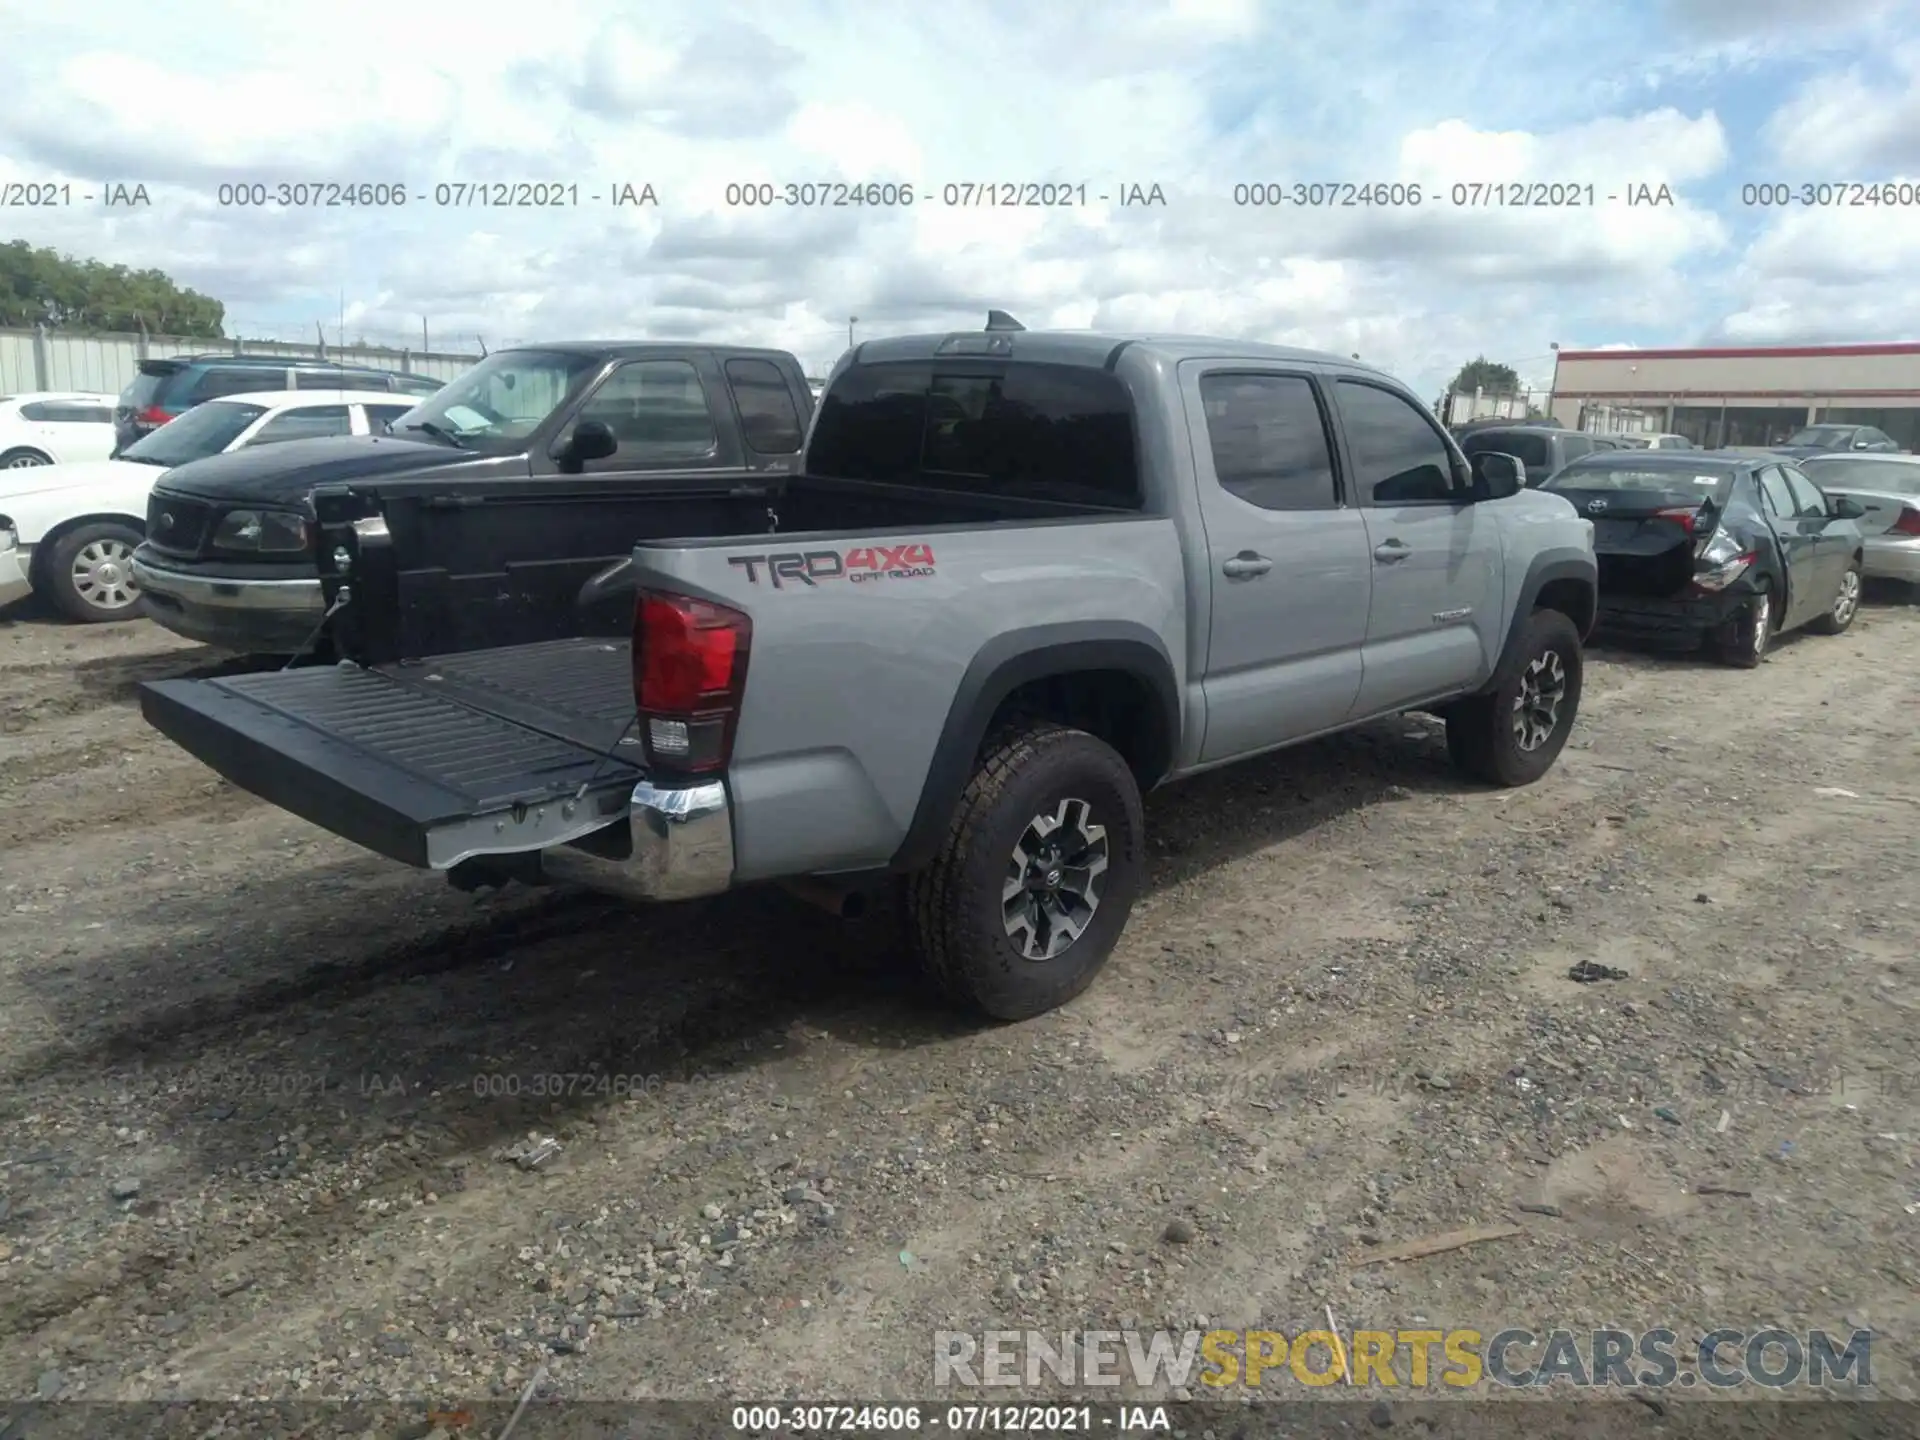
{"x": 424, "y": 347}
{"x": 852, "y": 320}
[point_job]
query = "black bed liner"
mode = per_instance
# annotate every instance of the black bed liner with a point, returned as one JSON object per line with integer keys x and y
{"x": 426, "y": 762}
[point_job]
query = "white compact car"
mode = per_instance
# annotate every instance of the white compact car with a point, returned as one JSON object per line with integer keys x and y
{"x": 54, "y": 427}
{"x": 69, "y": 530}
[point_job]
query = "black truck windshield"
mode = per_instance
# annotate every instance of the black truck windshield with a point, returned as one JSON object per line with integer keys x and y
{"x": 500, "y": 402}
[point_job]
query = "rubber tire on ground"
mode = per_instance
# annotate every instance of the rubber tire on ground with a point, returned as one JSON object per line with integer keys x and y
{"x": 20, "y": 451}
{"x": 1480, "y": 736}
{"x": 58, "y": 574}
{"x": 954, "y": 911}
{"x": 1733, "y": 643}
{"x": 1826, "y": 624}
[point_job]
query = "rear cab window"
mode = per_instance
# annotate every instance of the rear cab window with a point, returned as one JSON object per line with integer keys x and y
{"x": 1021, "y": 430}
{"x": 768, "y": 416}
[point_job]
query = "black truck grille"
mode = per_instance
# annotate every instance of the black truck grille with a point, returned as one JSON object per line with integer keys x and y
{"x": 176, "y": 524}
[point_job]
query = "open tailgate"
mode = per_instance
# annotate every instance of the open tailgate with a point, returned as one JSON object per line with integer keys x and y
{"x": 431, "y": 762}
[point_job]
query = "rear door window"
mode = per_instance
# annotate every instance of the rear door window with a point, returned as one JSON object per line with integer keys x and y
{"x": 768, "y": 417}
{"x": 1269, "y": 441}
{"x": 322, "y": 380}
{"x": 217, "y": 381}
{"x": 1774, "y": 491}
{"x": 1808, "y": 502}
{"x": 66, "y": 412}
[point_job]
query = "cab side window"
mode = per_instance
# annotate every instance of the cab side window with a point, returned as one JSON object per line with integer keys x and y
{"x": 657, "y": 410}
{"x": 1269, "y": 441}
{"x": 1398, "y": 455}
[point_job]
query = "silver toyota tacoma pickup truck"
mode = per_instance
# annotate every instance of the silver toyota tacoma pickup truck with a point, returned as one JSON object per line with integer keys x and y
{"x": 1019, "y": 579}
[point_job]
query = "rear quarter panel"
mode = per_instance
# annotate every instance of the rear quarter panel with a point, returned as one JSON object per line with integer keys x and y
{"x": 850, "y": 682}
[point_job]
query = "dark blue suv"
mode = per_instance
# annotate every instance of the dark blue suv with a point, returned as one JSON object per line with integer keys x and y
{"x": 166, "y": 388}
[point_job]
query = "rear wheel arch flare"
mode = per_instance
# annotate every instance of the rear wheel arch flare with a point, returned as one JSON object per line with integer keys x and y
{"x": 1113, "y": 679}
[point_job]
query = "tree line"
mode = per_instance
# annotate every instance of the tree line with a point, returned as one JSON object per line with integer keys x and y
{"x": 44, "y": 287}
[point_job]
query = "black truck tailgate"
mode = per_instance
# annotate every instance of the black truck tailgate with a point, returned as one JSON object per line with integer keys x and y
{"x": 428, "y": 762}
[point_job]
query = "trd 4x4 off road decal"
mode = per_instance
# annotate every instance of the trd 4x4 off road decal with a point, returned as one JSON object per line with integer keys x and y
{"x": 810, "y": 567}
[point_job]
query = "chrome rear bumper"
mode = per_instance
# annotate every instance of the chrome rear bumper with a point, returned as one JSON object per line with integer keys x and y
{"x": 682, "y": 838}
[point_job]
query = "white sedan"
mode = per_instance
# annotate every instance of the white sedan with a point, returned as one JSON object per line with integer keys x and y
{"x": 70, "y": 530}
{"x": 53, "y": 427}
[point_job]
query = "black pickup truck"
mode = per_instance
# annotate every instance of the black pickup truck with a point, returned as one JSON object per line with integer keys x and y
{"x": 229, "y": 553}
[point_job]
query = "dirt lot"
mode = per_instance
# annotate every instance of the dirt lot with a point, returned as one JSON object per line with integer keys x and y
{"x": 256, "y": 1086}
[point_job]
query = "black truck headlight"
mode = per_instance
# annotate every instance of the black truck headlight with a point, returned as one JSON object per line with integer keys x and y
{"x": 264, "y": 530}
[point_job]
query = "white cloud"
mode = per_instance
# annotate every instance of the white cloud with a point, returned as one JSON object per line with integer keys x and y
{"x": 1852, "y": 125}
{"x": 1190, "y": 95}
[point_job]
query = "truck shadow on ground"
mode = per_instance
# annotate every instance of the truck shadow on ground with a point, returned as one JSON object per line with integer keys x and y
{"x": 236, "y": 1033}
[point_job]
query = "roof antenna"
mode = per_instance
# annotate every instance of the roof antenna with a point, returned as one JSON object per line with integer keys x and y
{"x": 1001, "y": 320}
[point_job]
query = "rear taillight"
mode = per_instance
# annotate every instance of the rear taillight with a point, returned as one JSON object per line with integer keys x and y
{"x": 153, "y": 415}
{"x": 689, "y": 670}
{"x": 1685, "y": 516}
{"x": 1908, "y": 523}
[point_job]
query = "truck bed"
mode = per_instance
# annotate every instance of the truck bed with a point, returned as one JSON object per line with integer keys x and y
{"x": 437, "y": 568}
{"x": 428, "y": 762}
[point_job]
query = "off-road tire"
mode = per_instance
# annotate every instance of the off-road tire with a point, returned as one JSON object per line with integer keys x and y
{"x": 1736, "y": 642}
{"x": 1846, "y": 604}
{"x": 56, "y": 572}
{"x": 1480, "y": 729}
{"x": 954, "y": 906}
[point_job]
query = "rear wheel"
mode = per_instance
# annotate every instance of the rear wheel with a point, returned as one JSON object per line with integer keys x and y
{"x": 24, "y": 458}
{"x": 1743, "y": 640}
{"x": 1846, "y": 603}
{"x": 1029, "y": 894}
{"x": 1512, "y": 734}
{"x": 89, "y": 572}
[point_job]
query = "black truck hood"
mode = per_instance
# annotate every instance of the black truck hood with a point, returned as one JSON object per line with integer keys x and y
{"x": 292, "y": 469}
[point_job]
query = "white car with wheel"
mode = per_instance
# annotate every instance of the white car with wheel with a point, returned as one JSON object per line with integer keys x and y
{"x": 54, "y": 427}
{"x": 69, "y": 530}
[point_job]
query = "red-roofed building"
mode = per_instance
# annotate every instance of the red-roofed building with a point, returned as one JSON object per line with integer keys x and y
{"x": 1750, "y": 395}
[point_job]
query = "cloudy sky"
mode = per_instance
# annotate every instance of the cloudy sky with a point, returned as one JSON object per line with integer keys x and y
{"x": 1194, "y": 96}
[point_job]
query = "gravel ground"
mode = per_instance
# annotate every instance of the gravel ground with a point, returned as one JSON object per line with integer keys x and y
{"x": 262, "y": 1095}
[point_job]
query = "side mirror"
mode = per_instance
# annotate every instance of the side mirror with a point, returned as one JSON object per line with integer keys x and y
{"x": 590, "y": 440}
{"x": 1845, "y": 509}
{"x": 1496, "y": 476}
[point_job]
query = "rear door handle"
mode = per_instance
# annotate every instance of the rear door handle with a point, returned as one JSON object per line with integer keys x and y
{"x": 1245, "y": 566}
{"x": 1390, "y": 551}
